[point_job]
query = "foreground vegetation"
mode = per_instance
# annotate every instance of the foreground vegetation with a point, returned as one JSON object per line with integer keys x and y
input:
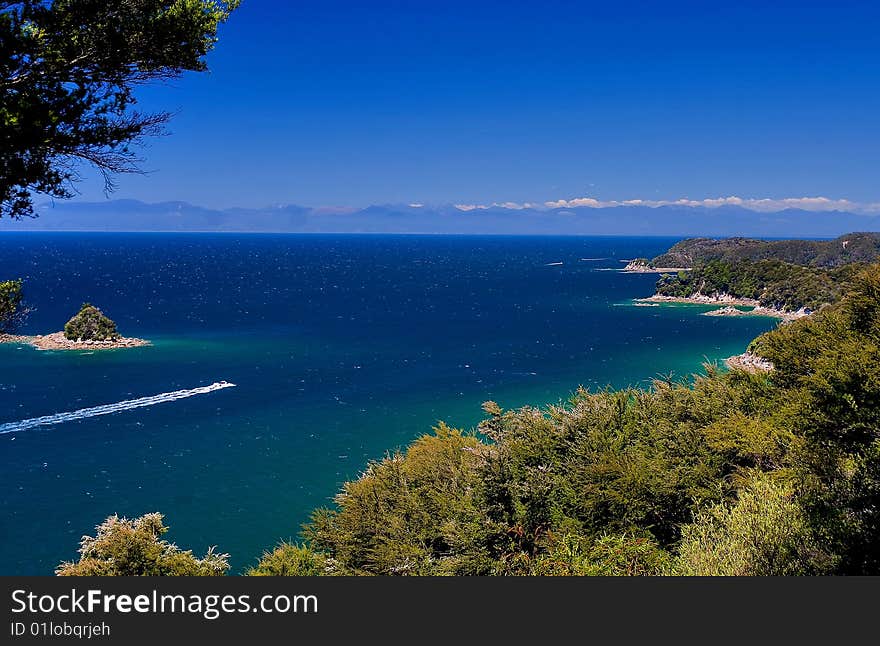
{"x": 730, "y": 474}
{"x": 123, "y": 547}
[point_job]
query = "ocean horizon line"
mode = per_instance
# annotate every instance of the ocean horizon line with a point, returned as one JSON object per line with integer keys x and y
{"x": 438, "y": 234}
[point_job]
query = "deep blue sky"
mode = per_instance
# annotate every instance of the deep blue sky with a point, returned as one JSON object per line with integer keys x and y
{"x": 332, "y": 103}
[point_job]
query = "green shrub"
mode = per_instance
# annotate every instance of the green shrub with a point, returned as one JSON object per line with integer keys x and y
{"x": 763, "y": 533}
{"x": 830, "y": 365}
{"x": 609, "y": 555}
{"x": 629, "y": 466}
{"x": 288, "y": 559}
{"x": 407, "y": 514}
{"x": 90, "y": 324}
{"x": 123, "y": 547}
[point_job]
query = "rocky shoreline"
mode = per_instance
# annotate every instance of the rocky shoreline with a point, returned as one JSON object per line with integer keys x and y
{"x": 636, "y": 267}
{"x": 57, "y": 341}
{"x": 700, "y": 299}
{"x": 728, "y": 310}
{"x": 759, "y": 311}
{"x": 748, "y": 362}
{"x": 729, "y": 302}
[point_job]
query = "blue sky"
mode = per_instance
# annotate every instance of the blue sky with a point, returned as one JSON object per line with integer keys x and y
{"x": 356, "y": 103}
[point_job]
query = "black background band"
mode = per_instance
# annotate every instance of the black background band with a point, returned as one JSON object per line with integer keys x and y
{"x": 475, "y": 610}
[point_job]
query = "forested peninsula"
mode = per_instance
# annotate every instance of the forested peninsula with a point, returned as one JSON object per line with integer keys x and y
{"x": 781, "y": 277}
{"x": 731, "y": 472}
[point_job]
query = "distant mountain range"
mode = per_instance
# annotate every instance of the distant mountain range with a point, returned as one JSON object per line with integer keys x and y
{"x": 132, "y": 215}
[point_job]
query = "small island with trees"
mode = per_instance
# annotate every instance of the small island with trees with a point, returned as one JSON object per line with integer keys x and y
{"x": 88, "y": 329}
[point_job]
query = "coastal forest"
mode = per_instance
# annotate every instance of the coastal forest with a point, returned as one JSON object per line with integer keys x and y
{"x": 844, "y": 250}
{"x": 774, "y": 284}
{"x": 727, "y": 473}
{"x": 784, "y": 275}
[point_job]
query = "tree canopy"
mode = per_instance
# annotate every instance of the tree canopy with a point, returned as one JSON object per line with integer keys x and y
{"x": 68, "y": 71}
{"x": 773, "y": 283}
{"x": 90, "y": 324}
{"x": 10, "y": 303}
{"x": 846, "y": 249}
{"x": 288, "y": 559}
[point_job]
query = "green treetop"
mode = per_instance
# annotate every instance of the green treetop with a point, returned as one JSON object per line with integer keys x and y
{"x": 90, "y": 324}
{"x": 10, "y": 303}
{"x": 124, "y": 547}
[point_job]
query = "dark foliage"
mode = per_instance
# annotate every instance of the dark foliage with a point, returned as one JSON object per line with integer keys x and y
{"x": 90, "y": 324}
{"x": 10, "y": 304}
{"x": 849, "y": 248}
{"x": 68, "y": 70}
{"x": 773, "y": 283}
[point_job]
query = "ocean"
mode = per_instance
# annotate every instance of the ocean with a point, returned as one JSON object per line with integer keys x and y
{"x": 341, "y": 348}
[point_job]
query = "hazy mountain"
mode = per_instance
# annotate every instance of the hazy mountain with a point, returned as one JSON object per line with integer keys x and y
{"x": 132, "y": 215}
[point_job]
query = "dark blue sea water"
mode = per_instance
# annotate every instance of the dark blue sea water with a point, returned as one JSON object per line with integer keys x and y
{"x": 342, "y": 347}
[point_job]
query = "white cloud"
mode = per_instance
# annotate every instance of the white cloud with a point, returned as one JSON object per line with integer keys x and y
{"x": 515, "y": 206}
{"x": 763, "y": 205}
{"x": 578, "y": 201}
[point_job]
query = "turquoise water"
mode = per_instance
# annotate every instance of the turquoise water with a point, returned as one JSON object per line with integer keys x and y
{"x": 342, "y": 347}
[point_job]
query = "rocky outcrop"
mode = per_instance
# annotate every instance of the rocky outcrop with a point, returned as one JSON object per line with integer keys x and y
{"x": 643, "y": 266}
{"x": 748, "y": 362}
{"x": 702, "y": 299}
{"x": 726, "y": 311}
{"x": 57, "y": 341}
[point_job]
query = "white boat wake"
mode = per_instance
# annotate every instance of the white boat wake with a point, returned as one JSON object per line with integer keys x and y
{"x": 108, "y": 409}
